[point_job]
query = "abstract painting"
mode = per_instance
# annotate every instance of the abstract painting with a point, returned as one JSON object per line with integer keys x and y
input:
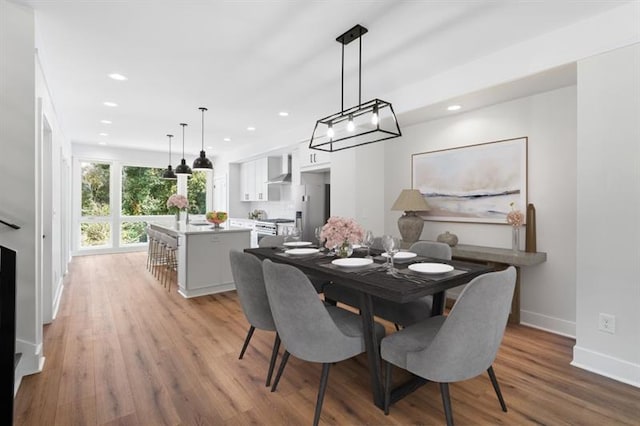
{"x": 475, "y": 183}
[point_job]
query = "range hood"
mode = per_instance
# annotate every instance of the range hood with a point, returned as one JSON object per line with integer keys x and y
{"x": 285, "y": 177}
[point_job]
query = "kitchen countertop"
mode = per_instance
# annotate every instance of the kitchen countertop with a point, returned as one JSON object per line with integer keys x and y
{"x": 182, "y": 228}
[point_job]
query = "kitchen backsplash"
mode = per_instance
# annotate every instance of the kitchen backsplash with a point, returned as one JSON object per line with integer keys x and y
{"x": 276, "y": 209}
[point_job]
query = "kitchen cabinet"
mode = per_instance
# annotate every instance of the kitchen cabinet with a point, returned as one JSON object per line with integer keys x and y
{"x": 247, "y": 181}
{"x": 203, "y": 256}
{"x": 254, "y": 178}
{"x": 312, "y": 159}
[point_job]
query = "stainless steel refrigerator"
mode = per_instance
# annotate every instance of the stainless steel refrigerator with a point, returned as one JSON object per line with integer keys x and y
{"x": 315, "y": 209}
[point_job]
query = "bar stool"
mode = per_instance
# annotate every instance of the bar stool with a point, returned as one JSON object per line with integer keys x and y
{"x": 170, "y": 269}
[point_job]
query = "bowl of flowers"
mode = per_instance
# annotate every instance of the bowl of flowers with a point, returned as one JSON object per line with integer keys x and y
{"x": 216, "y": 218}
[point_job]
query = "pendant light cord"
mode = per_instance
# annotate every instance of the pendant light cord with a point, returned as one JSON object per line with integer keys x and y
{"x": 183, "y": 126}
{"x": 170, "y": 136}
{"x": 203, "y": 109}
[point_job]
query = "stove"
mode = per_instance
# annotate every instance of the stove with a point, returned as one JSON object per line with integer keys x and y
{"x": 270, "y": 226}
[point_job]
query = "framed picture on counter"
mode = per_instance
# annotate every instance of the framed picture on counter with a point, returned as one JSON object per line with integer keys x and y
{"x": 475, "y": 183}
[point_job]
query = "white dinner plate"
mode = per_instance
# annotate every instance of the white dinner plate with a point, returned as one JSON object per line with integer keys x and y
{"x": 301, "y": 251}
{"x": 298, "y": 244}
{"x": 352, "y": 262}
{"x": 431, "y": 268}
{"x": 355, "y": 246}
{"x": 401, "y": 255}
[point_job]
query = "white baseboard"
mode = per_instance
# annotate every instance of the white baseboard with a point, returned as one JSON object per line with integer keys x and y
{"x": 31, "y": 362}
{"x": 606, "y": 365}
{"x": 220, "y": 288}
{"x": 547, "y": 323}
{"x": 56, "y": 299}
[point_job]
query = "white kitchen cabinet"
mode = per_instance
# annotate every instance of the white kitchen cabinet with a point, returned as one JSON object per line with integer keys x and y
{"x": 247, "y": 181}
{"x": 203, "y": 256}
{"x": 254, "y": 177}
{"x": 312, "y": 159}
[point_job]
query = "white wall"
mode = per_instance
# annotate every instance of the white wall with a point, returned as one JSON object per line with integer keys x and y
{"x": 608, "y": 231}
{"x": 20, "y": 184}
{"x": 58, "y": 220}
{"x": 549, "y": 121}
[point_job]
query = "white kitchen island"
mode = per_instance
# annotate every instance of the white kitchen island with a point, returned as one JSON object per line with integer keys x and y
{"x": 203, "y": 256}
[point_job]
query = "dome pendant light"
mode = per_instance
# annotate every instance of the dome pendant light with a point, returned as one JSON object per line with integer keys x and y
{"x": 182, "y": 168}
{"x": 169, "y": 174}
{"x": 202, "y": 162}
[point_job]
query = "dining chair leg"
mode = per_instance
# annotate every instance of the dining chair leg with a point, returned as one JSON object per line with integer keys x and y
{"x": 323, "y": 387}
{"x": 246, "y": 341}
{"x": 446, "y": 402}
{"x": 496, "y": 387}
{"x": 387, "y": 388}
{"x": 283, "y": 363}
{"x": 274, "y": 355}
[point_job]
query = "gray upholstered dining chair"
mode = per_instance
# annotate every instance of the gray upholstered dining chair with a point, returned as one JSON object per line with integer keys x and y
{"x": 309, "y": 329}
{"x": 247, "y": 275}
{"x": 271, "y": 241}
{"x": 459, "y": 346}
{"x": 401, "y": 314}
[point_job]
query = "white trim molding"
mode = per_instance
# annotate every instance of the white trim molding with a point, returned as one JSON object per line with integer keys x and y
{"x": 547, "y": 323}
{"x": 605, "y": 365}
{"x": 31, "y": 362}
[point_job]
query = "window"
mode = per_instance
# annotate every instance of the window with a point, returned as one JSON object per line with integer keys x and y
{"x": 95, "y": 224}
{"x": 144, "y": 192}
{"x": 197, "y": 192}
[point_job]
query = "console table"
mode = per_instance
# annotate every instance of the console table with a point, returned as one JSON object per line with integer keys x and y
{"x": 500, "y": 258}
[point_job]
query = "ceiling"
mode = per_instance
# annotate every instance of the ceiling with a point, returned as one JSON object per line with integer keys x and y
{"x": 246, "y": 61}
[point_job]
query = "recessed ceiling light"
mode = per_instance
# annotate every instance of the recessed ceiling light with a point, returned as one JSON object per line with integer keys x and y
{"x": 110, "y": 104}
{"x": 104, "y": 134}
{"x": 453, "y": 107}
{"x": 117, "y": 76}
{"x": 251, "y": 128}
{"x": 209, "y": 147}
{"x": 227, "y": 139}
{"x": 105, "y": 121}
{"x": 102, "y": 143}
{"x": 283, "y": 114}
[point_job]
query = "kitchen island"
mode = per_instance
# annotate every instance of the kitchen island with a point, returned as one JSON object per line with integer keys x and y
{"x": 203, "y": 255}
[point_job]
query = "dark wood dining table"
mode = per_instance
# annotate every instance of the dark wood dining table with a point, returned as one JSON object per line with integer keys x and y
{"x": 372, "y": 280}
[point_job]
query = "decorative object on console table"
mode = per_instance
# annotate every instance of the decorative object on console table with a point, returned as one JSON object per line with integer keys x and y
{"x": 530, "y": 243}
{"x": 410, "y": 225}
{"x": 448, "y": 238}
{"x": 515, "y": 218}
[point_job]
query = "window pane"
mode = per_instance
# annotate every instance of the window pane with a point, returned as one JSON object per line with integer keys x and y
{"x": 133, "y": 233}
{"x": 197, "y": 192}
{"x": 144, "y": 192}
{"x": 95, "y": 189}
{"x": 95, "y": 234}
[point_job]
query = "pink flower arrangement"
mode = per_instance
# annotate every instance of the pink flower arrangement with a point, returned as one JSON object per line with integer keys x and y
{"x": 177, "y": 202}
{"x": 338, "y": 230}
{"x": 515, "y": 217}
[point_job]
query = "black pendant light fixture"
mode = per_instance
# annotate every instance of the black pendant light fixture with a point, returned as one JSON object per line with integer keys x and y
{"x": 202, "y": 162}
{"x": 365, "y": 123}
{"x": 182, "y": 168}
{"x": 169, "y": 174}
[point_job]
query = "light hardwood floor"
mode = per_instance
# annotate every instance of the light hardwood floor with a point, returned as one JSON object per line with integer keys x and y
{"x": 124, "y": 351}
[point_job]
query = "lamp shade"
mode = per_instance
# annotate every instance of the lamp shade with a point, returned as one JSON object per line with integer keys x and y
{"x": 410, "y": 200}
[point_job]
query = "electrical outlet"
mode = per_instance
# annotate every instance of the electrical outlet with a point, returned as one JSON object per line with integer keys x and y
{"x": 607, "y": 323}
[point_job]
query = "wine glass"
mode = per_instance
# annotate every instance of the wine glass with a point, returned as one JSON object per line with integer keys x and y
{"x": 367, "y": 241}
{"x": 318, "y": 232}
{"x": 391, "y": 245}
{"x": 294, "y": 234}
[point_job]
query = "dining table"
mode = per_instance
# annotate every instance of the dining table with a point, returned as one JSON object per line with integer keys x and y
{"x": 374, "y": 280}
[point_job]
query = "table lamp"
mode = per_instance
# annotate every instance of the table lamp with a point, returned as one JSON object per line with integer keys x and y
{"x": 410, "y": 225}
